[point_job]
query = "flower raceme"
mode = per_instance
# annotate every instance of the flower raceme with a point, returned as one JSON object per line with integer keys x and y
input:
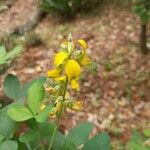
{"x": 68, "y": 65}
{"x": 68, "y": 61}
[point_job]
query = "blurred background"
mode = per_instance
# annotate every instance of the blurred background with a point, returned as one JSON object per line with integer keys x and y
{"x": 115, "y": 87}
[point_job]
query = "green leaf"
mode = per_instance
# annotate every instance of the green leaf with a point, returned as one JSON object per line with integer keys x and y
{"x": 2, "y": 54}
{"x": 68, "y": 146}
{"x": 2, "y": 137}
{"x": 7, "y": 125}
{"x": 99, "y": 142}
{"x": 59, "y": 141}
{"x": 28, "y": 136}
{"x": 13, "y": 53}
{"x": 9, "y": 145}
{"x": 32, "y": 123}
{"x": 42, "y": 116}
{"x": 79, "y": 134}
{"x": 12, "y": 87}
{"x": 35, "y": 96}
{"x": 46, "y": 129}
{"x": 146, "y": 132}
{"x": 24, "y": 89}
{"x": 137, "y": 142}
{"x": 19, "y": 113}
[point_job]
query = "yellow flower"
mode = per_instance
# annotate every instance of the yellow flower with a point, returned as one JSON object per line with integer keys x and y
{"x": 63, "y": 78}
{"x": 75, "y": 84}
{"x": 84, "y": 60}
{"x": 83, "y": 43}
{"x": 56, "y": 110}
{"x": 54, "y": 73}
{"x": 72, "y": 69}
{"x": 77, "y": 105}
{"x": 58, "y": 107}
{"x": 60, "y": 58}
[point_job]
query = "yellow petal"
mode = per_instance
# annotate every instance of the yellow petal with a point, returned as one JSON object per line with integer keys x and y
{"x": 59, "y": 58}
{"x": 72, "y": 69}
{"x": 77, "y": 105}
{"x": 83, "y": 43}
{"x": 53, "y": 73}
{"x": 84, "y": 60}
{"x": 63, "y": 78}
{"x": 75, "y": 84}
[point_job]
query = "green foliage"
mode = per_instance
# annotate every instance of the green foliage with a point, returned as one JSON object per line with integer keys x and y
{"x": 42, "y": 116}
{"x": 19, "y": 113}
{"x": 79, "y": 135}
{"x": 14, "y": 90}
{"x": 35, "y": 96}
{"x": 69, "y": 8}
{"x": 9, "y": 144}
{"x": 146, "y": 132}
{"x": 142, "y": 9}
{"x": 7, "y": 125}
{"x": 12, "y": 87}
{"x": 28, "y": 136}
{"x": 99, "y": 142}
{"x": 137, "y": 142}
{"x": 7, "y": 57}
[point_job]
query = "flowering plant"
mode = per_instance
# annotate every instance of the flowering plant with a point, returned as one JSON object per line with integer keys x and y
{"x": 35, "y": 103}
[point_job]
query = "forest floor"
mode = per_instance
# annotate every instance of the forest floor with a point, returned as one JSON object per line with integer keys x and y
{"x": 115, "y": 89}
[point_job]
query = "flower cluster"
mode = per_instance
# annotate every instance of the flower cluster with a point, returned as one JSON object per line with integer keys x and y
{"x": 68, "y": 63}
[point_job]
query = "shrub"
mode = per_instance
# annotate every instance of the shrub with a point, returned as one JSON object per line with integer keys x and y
{"x": 69, "y": 8}
{"x": 142, "y": 9}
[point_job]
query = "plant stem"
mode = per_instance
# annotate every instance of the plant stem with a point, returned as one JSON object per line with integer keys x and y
{"x": 55, "y": 129}
{"x": 65, "y": 90}
{"x": 52, "y": 139}
{"x": 28, "y": 146}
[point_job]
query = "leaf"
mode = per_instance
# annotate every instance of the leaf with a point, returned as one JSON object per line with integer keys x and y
{"x": 9, "y": 145}
{"x": 12, "y": 87}
{"x": 99, "y": 142}
{"x": 28, "y": 136}
{"x": 19, "y": 113}
{"x": 46, "y": 129}
{"x": 59, "y": 141}
{"x": 68, "y": 146}
{"x": 24, "y": 89}
{"x": 2, "y": 137}
{"x": 2, "y": 54}
{"x": 79, "y": 134}
{"x": 13, "y": 53}
{"x": 7, "y": 125}
{"x": 146, "y": 132}
{"x": 35, "y": 96}
{"x": 136, "y": 142}
{"x": 42, "y": 116}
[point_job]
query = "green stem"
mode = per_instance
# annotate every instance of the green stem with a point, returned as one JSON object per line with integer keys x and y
{"x": 28, "y": 146}
{"x": 65, "y": 90}
{"x": 52, "y": 139}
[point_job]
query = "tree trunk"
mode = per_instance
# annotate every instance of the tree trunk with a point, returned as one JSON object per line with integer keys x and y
{"x": 143, "y": 39}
